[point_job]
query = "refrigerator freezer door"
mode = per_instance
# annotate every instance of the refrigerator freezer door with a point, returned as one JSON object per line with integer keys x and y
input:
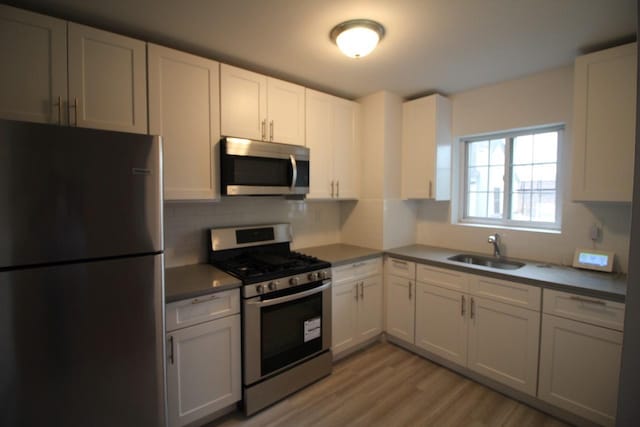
{"x": 82, "y": 344}
{"x": 69, "y": 194}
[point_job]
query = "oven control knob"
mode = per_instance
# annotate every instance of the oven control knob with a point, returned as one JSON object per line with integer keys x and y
{"x": 322, "y": 275}
{"x": 273, "y": 286}
{"x": 259, "y": 289}
{"x": 294, "y": 281}
{"x": 313, "y": 276}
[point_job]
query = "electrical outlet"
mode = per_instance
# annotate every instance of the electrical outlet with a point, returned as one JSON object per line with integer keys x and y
{"x": 594, "y": 233}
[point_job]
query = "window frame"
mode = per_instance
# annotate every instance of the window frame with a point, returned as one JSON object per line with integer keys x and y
{"x": 505, "y": 221}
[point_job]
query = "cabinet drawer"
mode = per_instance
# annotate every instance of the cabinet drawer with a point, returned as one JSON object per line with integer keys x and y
{"x": 191, "y": 311}
{"x": 400, "y": 268}
{"x": 595, "y": 311}
{"x": 444, "y": 278}
{"x": 505, "y": 291}
{"x": 356, "y": 270}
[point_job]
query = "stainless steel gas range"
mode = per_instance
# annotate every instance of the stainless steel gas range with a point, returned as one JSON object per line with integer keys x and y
{"x": 286, "y": 310}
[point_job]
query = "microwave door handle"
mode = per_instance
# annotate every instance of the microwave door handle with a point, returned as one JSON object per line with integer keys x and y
{"x": 294, "y": 172}
{"x": 280, "y": 300}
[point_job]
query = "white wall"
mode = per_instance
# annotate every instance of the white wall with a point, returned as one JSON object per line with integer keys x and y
{"x": 186, "y": 224}
{"x": 543, "y": 98}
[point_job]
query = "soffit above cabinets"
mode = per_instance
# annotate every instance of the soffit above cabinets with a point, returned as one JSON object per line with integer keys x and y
{"x": 429, "y": 45}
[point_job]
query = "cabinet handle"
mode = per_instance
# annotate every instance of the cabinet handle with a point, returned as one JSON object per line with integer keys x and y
{"x": 271, "y": 130}
{"x": 338, "y": 188}
{"x": 409, "y": 289}
{"x": 59, "y": 105}
{"x": 201, "y": 300}
{"x": 75, "y": 109}
{"x": 430, "y": 189}
{"x": 331, "y": 188}
{"x": 462, "y": 310}
{"x": 171, "y": 348}
{"x": 263, "y": 129}
{"x": 362, "y": 290}
{"x": 587, "y": 300}
{"x": 397, "y": 261}
{"x": 473, "y": 308}
{"x": 357, "y": 292}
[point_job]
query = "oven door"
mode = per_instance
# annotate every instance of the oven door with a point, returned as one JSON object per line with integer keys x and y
{"x": 263, "y": 168}
{"x": 282, "y": 330}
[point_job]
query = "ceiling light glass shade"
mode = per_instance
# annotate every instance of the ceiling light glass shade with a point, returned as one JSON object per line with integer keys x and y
{"x": 358, "y": 37}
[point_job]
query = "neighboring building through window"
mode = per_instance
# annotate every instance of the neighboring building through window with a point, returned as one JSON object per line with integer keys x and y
{"x": 511, "y": 179}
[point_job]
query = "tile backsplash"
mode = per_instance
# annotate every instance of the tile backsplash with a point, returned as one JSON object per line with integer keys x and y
{"x": 186, "y": 224}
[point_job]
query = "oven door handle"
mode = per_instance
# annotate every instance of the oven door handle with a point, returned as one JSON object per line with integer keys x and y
{"x": 294, "y": 172}
{"x": 286, "y": 298}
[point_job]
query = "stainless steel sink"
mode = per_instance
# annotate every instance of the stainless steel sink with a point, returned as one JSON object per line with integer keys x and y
{"x": 501, "y": 264}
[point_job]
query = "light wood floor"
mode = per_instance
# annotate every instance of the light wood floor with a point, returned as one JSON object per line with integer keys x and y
{"x": 385, "y": 385}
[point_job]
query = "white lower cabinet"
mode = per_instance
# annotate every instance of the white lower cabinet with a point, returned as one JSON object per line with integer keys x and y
{"x": 203, "y": 365}
{"x": 356, "y": 305}
{"x": 503, "y": 343}
{"x": 580, "y": 362}
{"x": 401, "y": 307}
{"x": 441, "y": 322}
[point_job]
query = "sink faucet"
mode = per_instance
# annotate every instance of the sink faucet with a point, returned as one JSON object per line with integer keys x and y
{"x": 494, "y": 239}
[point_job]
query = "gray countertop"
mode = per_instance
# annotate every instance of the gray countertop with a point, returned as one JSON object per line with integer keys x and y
{"x": 611, "y": 286}
{"x": 339, "y": 254}
{"x": 195, "y": 280}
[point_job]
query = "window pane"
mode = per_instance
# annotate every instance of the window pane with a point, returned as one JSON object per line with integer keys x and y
{"x": 521, "y": 178}
{"x": 545, "y": 147}
{"x": 478, "y": 153}
{"x": 521, "y": 206}
{"x": 522, "y": 149}
{"x": 497, "y": 152}
{"x": 496, "y": 178}
{"x": 544, "y": 177}
{"x": 478, "y": 178}
{"x": 543, "y": 206}
{"x": 477, "y": 204}
{"x": 496, "y": 202}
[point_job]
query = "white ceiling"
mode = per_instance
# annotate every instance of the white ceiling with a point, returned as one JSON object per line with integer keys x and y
{"x": 430, "y": 45}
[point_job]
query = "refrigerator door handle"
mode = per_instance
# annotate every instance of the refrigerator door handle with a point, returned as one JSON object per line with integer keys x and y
{"x": 171, "y": 352}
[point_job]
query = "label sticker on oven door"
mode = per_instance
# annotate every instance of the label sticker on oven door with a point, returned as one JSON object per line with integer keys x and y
{"x": 311, "y": 329}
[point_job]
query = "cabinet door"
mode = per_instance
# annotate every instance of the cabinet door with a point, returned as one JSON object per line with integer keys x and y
{"x": 33, "y": 75}
{"x": 203, "y": 370}
{"x": 503, "y": 343}
{"x": 579, "y": 368}
{"x": 400, "y": 309}
{"x": 345, "y": 149}
{"x": 318, "y": 129}
{"x": 441, "y": 322}
{"x": 344, "y": 317}
{"x": 184, "y": 104}
{"x": 370, "y": 308}
{"x": 243, "y": 103}
{"x": 285, "y": 111}
{"x": 426, "y": 148}
{"x": 604, "y": 125}
{"x": 107, "y": 80}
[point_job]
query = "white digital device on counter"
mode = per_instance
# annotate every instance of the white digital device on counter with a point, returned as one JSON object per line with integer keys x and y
{"x": 592, "y": 259}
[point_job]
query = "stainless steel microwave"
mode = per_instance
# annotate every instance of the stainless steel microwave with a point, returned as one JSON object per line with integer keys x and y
{"x": 256, "y": 168}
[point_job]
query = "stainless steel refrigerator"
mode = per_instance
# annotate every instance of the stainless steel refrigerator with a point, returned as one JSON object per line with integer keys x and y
{"x": 81, "y": 277}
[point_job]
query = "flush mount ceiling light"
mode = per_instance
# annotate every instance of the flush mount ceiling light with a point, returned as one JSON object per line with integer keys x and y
{"x": 358, "y": 37}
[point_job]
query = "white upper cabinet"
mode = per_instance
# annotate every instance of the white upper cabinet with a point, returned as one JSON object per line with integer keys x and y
{"x": 285, "y": 109}
{"x": 258, "y": 107}
{"x": 184, "y": 102}
{"x": 107, "y": 80}
{"x": 106, "y": 74}
{"x": 33, "y": 75}
{"x": 604, "y": 125}
{"x": 331, "y": 135}
{"x": 426, "y": 148}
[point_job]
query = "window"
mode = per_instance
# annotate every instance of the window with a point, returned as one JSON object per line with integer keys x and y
{"x": 511, "y": 179}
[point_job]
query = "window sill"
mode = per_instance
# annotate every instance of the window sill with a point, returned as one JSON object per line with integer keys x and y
{"x": 507, "y": 227}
